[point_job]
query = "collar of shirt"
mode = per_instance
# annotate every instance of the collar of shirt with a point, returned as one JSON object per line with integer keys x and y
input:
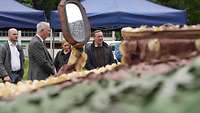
{"x": 95, "y": 45}
{"x": 11, "y": 43}
{"x": 40, "y": 38}
{"x": 66, "y": 52}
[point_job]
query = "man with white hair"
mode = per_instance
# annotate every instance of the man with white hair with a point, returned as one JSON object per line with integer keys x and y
{"x": 41, "y": 65}
{"x": 11, "y": 58}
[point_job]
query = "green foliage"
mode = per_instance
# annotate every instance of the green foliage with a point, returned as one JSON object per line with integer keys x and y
{"x": 26, "y": 2}
{"x": 26, "y": 66}
{"x": 46, "y": 5}
{"x": 118, "y": 35}
{"x": 176, "y": 92}
{"x": 191, "y": 6}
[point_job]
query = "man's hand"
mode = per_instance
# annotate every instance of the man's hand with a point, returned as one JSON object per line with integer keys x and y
{"x": 6, "y": 79}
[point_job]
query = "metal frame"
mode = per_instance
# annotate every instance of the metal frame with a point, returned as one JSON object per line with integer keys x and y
{"x": 65, "y": 25}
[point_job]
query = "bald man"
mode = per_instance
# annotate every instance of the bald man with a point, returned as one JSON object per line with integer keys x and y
{"x": 11, "y": 58}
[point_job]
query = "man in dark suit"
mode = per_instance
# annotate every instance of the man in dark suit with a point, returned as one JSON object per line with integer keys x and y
{"x": 41, "y": 65}
{"x": 11, "y": 58}
{"x": 99, "y": 53}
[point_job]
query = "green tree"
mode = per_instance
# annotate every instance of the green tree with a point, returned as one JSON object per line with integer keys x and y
{"x": 46, "y": 5}
{"x": 191, "y": 6}
{"x": 26, "y": 2}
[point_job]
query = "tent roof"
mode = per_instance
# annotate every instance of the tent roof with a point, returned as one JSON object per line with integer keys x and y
{"x": 119, "y": 13}
{"x": 14, "y": 14}
{"x": 130, "y": 6}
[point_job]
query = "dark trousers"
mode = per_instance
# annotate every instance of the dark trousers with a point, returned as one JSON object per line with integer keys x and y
{"x": 15, "y": 76}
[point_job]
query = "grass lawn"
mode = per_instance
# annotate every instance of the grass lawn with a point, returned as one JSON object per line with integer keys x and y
{"x": 26, "y": 64}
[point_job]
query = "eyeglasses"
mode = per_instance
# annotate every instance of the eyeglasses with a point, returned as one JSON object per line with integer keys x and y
{"x": 15, "y": 34}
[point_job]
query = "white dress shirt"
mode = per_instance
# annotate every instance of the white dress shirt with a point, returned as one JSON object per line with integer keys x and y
{"x": 15, "y": 57}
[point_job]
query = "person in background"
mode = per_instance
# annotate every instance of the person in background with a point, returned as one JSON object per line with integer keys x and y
{"x": 62, "y": 56}
{"x": 41, "y": 65}
{"x": 99, "y": 53}
{"x": 117, "y": 52}
{"x": 11, "y": 59}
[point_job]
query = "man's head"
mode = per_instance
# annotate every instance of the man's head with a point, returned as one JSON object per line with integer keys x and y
{"x": 43, "y": 29}
{"x": 98, "y": 37}
{"x": 13, "y": 35}
{"x": 66, "y": 46}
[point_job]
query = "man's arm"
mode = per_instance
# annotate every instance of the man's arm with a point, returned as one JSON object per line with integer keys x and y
{"x": 112, "y": 60}
{"x": 3, "y": 73}
{"x": 36, "y": 51}
{"x": 56, "y": 61}
{"x": 88, "y": 65}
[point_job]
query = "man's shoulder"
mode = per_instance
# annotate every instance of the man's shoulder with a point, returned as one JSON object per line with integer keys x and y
{"x": 59, "y": 53}
{"x": 34, "y": 40}
{"x": 88, "y": 45}
{"x": 3, "y": 49}
{"x": 105, "y": 45}
{"x": 4, "y": 46}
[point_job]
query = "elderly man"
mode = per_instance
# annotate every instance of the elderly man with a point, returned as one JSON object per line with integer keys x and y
{"x": 11, "y": 58}
{"x": 99, "y": 53}
{"x": 41, "y": 65}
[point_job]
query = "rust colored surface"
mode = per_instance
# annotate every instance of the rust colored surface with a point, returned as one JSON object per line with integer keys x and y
{"x": 135, "y": 52}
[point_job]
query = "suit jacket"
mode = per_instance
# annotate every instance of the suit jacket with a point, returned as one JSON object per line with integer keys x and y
{"x": 91, "y": 61}
{"x": 5, "y": 60}
{"x": 40, "y": 62}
